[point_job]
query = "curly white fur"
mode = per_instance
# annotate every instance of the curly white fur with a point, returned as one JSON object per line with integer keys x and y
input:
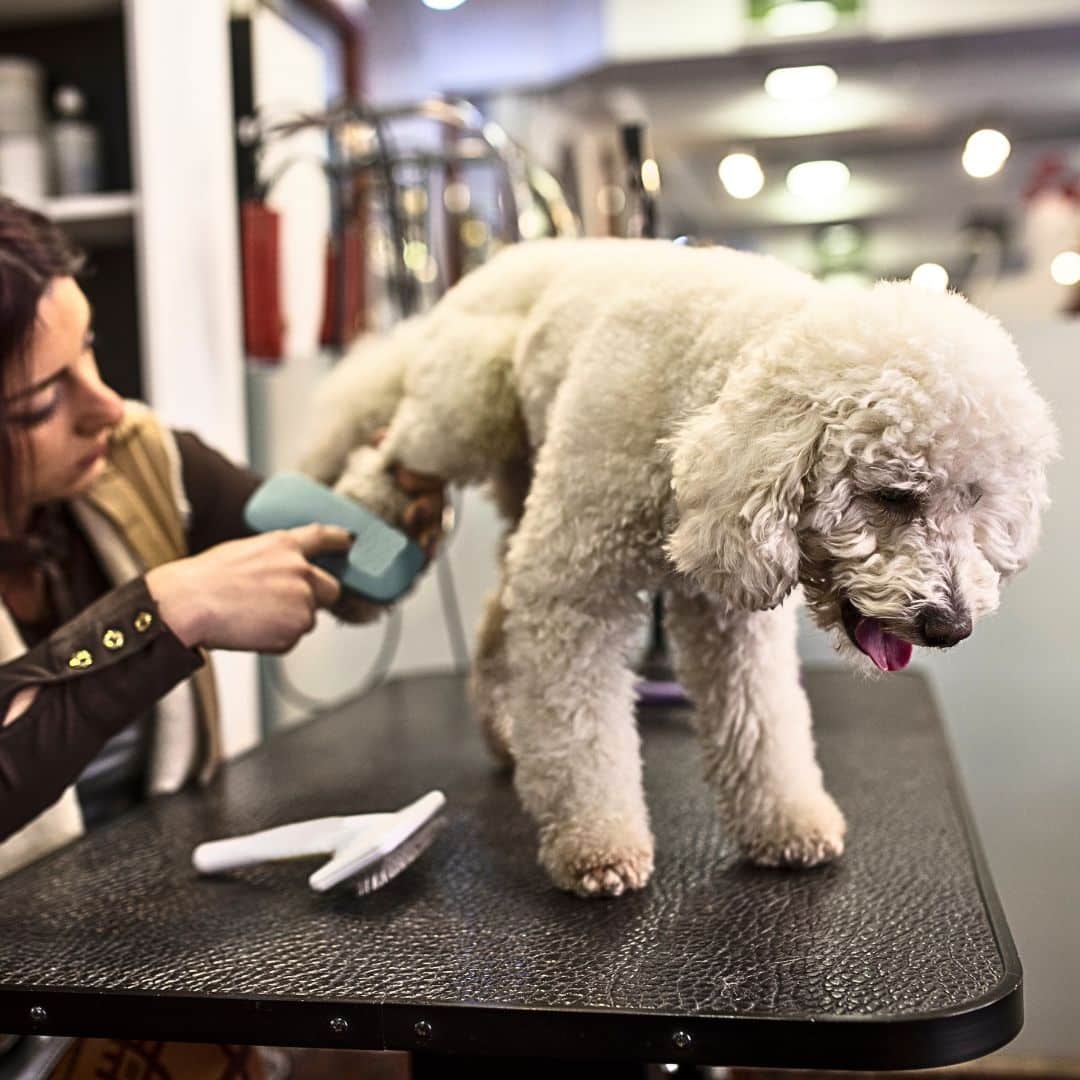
{"x": 720, "y": 426}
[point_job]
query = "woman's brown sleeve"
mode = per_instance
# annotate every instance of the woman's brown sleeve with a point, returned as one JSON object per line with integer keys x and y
{"x": 217, "y": 490}
{"x": 96, "y": 673}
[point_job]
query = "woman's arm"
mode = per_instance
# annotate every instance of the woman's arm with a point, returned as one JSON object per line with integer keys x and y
{"x": 216, "y": 489}
{"x": 76, "y": 692}
{"x": 111, "y": 663}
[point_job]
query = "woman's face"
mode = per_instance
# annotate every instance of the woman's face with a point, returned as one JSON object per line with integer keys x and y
{"x": 64, "y": 410}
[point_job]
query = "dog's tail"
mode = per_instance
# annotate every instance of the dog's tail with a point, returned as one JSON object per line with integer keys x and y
{"x": 356, "y": 399}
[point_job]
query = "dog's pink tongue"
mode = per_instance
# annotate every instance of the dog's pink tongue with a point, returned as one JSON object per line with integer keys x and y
{"x": 889, "y": 652}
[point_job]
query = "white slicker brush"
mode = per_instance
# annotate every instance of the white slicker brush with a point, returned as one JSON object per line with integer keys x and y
{"x": 367, "y": 850}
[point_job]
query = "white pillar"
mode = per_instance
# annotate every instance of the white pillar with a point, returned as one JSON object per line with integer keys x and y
{"x": 180, "y": 95}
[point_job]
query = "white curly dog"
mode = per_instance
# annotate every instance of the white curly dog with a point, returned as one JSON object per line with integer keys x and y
{"x": 720, "y": 426}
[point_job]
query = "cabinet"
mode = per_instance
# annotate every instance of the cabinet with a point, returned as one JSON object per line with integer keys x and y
{"x": 163, "y": 237}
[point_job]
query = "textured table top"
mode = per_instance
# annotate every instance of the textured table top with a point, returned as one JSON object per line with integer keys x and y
{"x": 895, "y": 957}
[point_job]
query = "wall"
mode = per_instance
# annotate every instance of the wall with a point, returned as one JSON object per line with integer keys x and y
{"x": 413, "y": 51}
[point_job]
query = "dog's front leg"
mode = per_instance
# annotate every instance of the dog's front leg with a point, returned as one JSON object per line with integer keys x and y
{"x": 575, "y": 742}
{"x": 742, "y": 672}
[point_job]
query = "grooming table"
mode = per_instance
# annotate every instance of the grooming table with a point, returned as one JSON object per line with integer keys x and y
{"x": 896, "y": 957}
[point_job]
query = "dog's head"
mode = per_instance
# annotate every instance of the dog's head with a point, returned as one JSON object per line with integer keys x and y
{"x": 885, "y": 450}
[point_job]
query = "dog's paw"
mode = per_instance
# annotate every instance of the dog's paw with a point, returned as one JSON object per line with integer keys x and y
{"x": 581, "y": 862}
{"x": 797, "y": 835}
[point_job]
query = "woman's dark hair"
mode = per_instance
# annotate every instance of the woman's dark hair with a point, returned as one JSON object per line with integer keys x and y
{"x": 33, "y": 252}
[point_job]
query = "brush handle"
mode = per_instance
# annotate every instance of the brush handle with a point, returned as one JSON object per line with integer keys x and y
{"x": 316, "y": 837}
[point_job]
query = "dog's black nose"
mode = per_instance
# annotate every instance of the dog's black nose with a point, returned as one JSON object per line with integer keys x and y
{"x": 941, "y": 628}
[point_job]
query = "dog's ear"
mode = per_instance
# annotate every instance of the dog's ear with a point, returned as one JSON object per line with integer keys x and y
{"x": 1009, "y": 524}
{"x": 1008, "y": 519}
{"x": 738, "y": 472}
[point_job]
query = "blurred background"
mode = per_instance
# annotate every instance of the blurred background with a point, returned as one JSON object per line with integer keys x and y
{"x": 260, "y": 182}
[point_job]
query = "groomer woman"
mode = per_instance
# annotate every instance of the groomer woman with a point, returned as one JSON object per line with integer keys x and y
{"x": 123, "y": 557}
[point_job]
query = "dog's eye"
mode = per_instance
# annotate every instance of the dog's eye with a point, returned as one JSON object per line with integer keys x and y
{"x": 974, "y": 495}
{"x": 896, "y": 499}
{"x": 898, "y": 504}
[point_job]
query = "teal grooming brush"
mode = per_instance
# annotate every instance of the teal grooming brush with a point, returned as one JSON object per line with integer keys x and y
{"x": 381, "y": 564}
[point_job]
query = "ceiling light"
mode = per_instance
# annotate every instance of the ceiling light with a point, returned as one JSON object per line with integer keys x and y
{"x": 474, "y": 233}
{"x": 800, "y": 83}
{"x": 801, "y": 17}
{"x": 650, "y": 176}
{"x": 818, "y": 179}
{"x": 930, "y": 276}
{"x": 1065, "y": 268}
{"x": 531, "y": 223}
{"x": 985, "y": 152}
{"x": 414, "y": 201}
{"x": 840, "y": 241}
{"x": 741, "y": 175}
{"x": 456, "y": 197}
{"x": 416, "y": 254}
{"x": 443, "y": 5}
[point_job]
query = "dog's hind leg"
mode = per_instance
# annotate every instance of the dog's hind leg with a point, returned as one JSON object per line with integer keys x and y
{"x": 742, "y": 672}
{"x": 490, "y": 674}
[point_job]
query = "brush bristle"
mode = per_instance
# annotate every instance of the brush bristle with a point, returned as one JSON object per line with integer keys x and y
{"x": 401, "y": 858}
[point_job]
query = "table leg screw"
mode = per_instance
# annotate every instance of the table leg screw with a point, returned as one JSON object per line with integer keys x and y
{"x": 38, "y": 1015}
{"x": 422, "y": 1029}
{"x": 339, "y": 1025}
{"x": 681, "y": 1040}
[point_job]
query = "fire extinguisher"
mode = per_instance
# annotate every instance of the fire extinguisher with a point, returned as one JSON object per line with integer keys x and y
{"x": 260, "y": 245}
{"x": 343, "y": 306}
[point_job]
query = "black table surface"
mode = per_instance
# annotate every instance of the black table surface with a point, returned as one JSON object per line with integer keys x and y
{"x": 897, "y": 956}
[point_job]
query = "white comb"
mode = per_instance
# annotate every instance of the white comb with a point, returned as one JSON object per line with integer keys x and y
{"x": 372, "y": 849}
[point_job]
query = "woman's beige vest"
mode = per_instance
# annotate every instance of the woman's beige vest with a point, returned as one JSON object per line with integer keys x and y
{"x": 134, "y": 517}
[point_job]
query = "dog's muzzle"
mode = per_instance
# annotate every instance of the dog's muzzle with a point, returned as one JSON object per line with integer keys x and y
{"x": 935, "y": 627}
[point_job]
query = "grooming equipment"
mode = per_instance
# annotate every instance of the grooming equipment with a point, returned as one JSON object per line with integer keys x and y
{"x": 382, "y": 562}
{"x": 367, "y": 850}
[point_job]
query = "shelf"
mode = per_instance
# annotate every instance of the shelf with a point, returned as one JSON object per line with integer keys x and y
{"x": 14, "y": 12}
{"x": 102, "y": 218}
{"x": 100, "y": 206}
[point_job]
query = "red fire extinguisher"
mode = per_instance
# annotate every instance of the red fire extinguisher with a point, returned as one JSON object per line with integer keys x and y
{"x": 260, "y": 242}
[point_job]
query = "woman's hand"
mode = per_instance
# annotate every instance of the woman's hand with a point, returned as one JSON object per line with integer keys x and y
{"x": 257, "y": 594}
